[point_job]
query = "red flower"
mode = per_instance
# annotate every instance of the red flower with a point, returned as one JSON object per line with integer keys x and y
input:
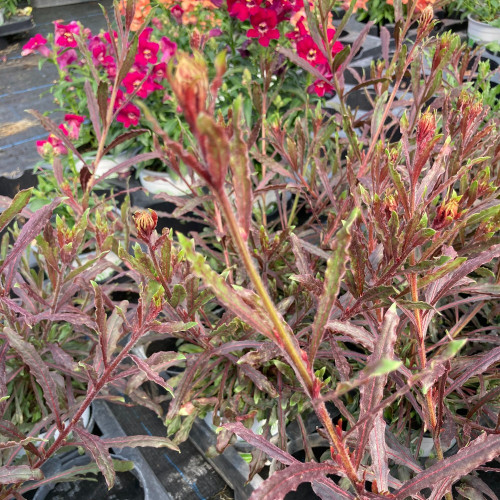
{"x": 264, "y": 26}
{"x": 129, "y": 115}
{"x": 308, "y": 50}
{"x": 320, "y": 87}
{"x": 44, "y": 149}
{"x": 147, "y": 51}
{"x": 37, "y": 43}
{"x": 242, "y": 9}
{"x": 65, "y": 35}
{"x": 136, "y": 80}
{"x": 74, "y": 123}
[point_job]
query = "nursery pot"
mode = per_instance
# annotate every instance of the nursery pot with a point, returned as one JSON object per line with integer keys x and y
{"x": 105, "y": 165}
{"x": 482, "y": 32}
{"x": 162, "y": 182}
{"x": 128, "y": 485}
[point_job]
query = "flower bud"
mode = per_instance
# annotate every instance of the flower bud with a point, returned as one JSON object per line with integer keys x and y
{"x": 426, "y": 129}
{"x": 190, "y": 85}
{"x": 425, "y": 21}
{"x": 145, "y": 223}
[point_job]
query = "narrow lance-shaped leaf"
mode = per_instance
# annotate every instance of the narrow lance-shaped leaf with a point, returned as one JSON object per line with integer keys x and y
{"x": 283, "y": 481}
{"x": 18, "y": 203}
{"x": 100, "y": 453}
{"x": 101, "y": 321}
{"x": 28, "y": 232}
{"x": 151, "y": 374}
{"x": 140, "y": 441}
{"x": 93, "y": 108}
{"x": 481, "y": 450}
{"x": 240, "y": 168}
{"x": 19, "y": 474}
{"x": 39, "y": 370}
{"x": 378, "y": 452}
{"x": 373, "y": 391}
{"x": 335, "y": 270}
{"x": 79, "y": 473}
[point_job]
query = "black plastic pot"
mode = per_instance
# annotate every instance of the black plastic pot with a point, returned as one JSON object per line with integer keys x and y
{"x": 128, "y": 486}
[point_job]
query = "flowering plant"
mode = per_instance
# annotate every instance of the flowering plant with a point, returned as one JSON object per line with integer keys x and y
{"x": 375, "y": 289}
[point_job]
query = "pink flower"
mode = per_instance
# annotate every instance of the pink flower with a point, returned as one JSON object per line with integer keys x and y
{"x": 157, "y": 23}
{"x": 264, "y": 26}
{"x": 168, "y": 49}
{"x": 159, "y": 72}
{"x": 136, "y": 80}
{"x": 65, "y": 35}
{"x": 107, "y": 37}
{"x": 37, "y": 43}
{"x": 57, "y": 145}
{"x": 66, "y": 57}
{"x": 147, "y": 51}
{"x": 74, "y": 123}
{"x": 44, "y": 149}
{"x": 242, "y": 9}
{"x": 129, "y": 115}
{"x": 320, "y": 87}
{"x": 177, "y": 11}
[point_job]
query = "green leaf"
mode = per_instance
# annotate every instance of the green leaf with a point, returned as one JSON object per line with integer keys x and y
{"x": 385, "y": 366}
{"x": 18, "y": 203}
{"x": 139, "y": 441}
{"x": 19, "y": 474}
{"x": 442, "y": 271}
{"x": 335, "y": 270}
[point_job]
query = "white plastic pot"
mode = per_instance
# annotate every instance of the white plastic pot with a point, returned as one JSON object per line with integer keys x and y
{"x": 427, "y": 447}
{"x": 105, "y": 165}
{"x": 482, "y": 32}
{"x": 162, "y": 182}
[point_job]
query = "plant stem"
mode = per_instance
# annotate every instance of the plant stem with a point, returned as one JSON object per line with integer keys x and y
{"x": 285, "y": 339}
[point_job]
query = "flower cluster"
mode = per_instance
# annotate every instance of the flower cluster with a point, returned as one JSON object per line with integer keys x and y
{"x": 53, "y": 145}
{"x": 265, "y": 17}
{"x": 144, "y": 77}
{"x": 362, "y": 4}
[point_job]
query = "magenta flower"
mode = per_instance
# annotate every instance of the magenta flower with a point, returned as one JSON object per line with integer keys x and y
{"x": 264, "y": 26}
{"x": 74, "y": 122}
{"x": 146, "y": 51}
{"x": 320, "y": 87}
{"x": 100, "y": 56}
{"x": 65, "y": 35}
{"x": 242, "y": 9}
{"x": 136, "y": 80}
{"x": 168, "y": 49}
{"x": 38, "y": 44}
{"x": 66, "y": 57}
{"x": 159, "y": 72}
{"x": 129, "y": 115}
{"x": 44, "y": 149}
{"x": 177, "y": 11}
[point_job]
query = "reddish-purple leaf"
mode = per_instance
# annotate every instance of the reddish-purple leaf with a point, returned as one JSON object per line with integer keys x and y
{"x": 28, "y": 232}
{"x": 99, "y": 451}
{"x": 335, "y": 269}
{"x": 136, "y": 441}
{"x": 240, "y": 168}
{"x": 152, "y": 375}
{"x": 260, "y": 442}
{"x": 19, "y": 474}
{"x": 481, "y": 363}
{"x": 283, "y": 481}
{"x": 126, "y": 136}
{"x": 400, "y": 454}
{"x": 38, "y": 368}
{"x": 93, "y": 108}
{"x": 356, "y": 333}
{"x": 378, "y": 452}
{"x": 373, "y": 391}
{"x": 481, "y": 450}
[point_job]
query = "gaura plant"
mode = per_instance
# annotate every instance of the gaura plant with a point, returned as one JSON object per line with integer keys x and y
{"x": 375, "y": 286}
